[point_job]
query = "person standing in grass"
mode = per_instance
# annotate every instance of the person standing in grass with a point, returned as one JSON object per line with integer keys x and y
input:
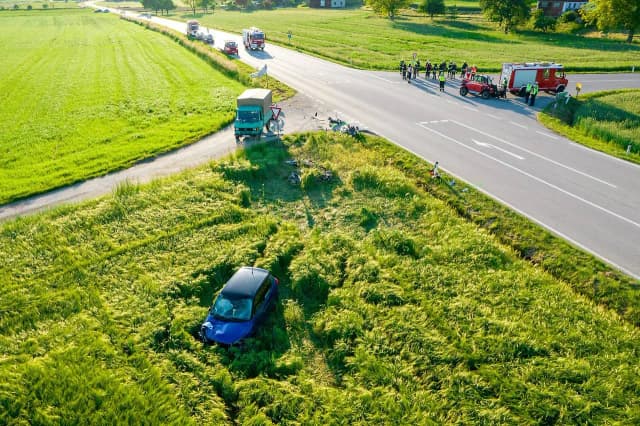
{"x": 534, "y": 93}
{"x": 527, "y": 92}
{"x": 435, "y": 172}
{"x": 443, "y": 78}
{"x": 427, "y": 68}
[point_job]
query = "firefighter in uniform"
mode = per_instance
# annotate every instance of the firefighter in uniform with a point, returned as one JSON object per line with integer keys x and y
{"x": 534, "y": 93}
{"x": 527, "y": 92}
{"x": 505, "y": 83}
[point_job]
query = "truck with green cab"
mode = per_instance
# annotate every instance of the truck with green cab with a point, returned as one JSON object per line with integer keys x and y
{"x": 253, "y": 113}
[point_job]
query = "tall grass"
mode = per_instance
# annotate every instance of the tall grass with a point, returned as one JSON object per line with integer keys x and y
{"x": 83, "y": 94}
{"x": 393, "y": 308}
{"x": 362, "y": 39}
{"x": 607, "y": 121}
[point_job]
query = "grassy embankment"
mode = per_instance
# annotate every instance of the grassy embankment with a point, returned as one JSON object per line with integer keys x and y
{"x": 393, "y": 309}
{"x": 84, "y": 94}
{"x": 606, "y": 121}
{"x": 364, "y": 40}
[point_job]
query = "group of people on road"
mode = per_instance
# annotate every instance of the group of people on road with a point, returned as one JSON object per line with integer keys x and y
{"x": 435, "y": 70}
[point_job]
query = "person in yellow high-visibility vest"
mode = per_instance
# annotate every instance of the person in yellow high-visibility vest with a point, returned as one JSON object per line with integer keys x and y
{"x": 534, "y": 93}
{"x": 527, "y": 92}
{"x": 442, "y": 80}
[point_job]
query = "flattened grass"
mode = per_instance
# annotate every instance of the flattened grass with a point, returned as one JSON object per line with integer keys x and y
{"x": 393, "y": 310}
{"x": 607, "y": 121}
{"x": 364, "y": 40}
{"x": 82, "y": 94}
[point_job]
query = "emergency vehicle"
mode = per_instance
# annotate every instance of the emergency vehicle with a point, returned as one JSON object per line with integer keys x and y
{"x": 550, "y": 77}
{"x": 253, "y": 38}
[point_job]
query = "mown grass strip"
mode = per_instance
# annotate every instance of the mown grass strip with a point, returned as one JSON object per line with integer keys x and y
{"x": 606, "y": 121}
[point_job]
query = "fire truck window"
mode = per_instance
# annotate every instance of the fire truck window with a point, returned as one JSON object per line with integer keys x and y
{"x": 546, "y": 73}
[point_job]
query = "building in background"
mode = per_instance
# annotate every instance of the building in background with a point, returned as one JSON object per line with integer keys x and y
{"x": 557, "y": 8}
{"x": 327, "y": 4}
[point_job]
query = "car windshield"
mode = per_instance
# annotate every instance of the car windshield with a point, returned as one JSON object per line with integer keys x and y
{"x": 248, "y": 116}
{"x": 231, "y": 44}
{"x": 232, "y": 309}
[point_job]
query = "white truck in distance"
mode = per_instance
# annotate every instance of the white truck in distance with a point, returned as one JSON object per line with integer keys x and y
{"x": 253, "y": 38}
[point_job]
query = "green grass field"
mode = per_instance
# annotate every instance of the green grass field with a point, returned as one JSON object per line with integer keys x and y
{"x": 393, "y": 309}
{"x": 82, "y": 94}
{"x": 365, "y": 40}
{"x": 606, "y": 121}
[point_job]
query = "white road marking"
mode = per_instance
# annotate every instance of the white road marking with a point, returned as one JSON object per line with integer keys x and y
{"x": 536, "y": 154}
{"x": 546, "y": 134}
{"x": 529, "y": 175}
{"x": 497, "y": 117}
{"x": 383, "y": 79}
{"x": 470, "y": 109}
{"x": 518, "y": 124}
{"x": 488, "y": 145}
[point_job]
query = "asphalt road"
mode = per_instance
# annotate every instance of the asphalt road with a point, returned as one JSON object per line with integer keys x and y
{"x": 586, "y": 197}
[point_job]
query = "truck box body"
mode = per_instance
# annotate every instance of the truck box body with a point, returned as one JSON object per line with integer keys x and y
{"x": 549, "y": 76}
{"x": 253, "y": 112}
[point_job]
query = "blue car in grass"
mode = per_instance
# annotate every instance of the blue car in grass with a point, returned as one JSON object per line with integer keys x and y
{"x": 240, "y": 307}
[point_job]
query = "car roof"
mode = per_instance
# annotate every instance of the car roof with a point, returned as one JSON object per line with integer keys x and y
{"x": 245, "y": 282}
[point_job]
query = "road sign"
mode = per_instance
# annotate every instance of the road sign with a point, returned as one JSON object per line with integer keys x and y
{"x": 276, "y": 111}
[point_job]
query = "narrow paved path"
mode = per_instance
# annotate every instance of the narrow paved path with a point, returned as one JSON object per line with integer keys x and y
{"x": 300, "y": 115}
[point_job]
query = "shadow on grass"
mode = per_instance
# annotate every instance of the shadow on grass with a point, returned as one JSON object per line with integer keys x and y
{"x": 463, "y": 31}
{"x": 579, "y": 42}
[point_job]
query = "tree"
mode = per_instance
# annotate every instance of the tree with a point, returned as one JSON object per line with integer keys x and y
{"x": 387, "y": 7}
{"x": 166, "y": 5}
{"x": 613, "y": 14}
{"x": 543, "y": 22}
{"x": 453, "y": 12}
{"x": 507, "y": 13}
{"x": 204, "y": 4}
{"x": 192, "y": 4}
{"x": 432, "y": 7}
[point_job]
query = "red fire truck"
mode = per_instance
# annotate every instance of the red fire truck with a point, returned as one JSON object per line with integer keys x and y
{"x": 253, "y": 38}
{"x": 550, "y": 77}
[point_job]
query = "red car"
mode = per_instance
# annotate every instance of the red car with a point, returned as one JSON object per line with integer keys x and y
{"x": 230, "y": 47}
{"x": 481, "y": 85}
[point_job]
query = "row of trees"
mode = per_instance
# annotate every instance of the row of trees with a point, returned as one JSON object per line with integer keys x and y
{"x": 167, "y": 5}
{"x": 159, "y": 5}
{"x": 606, "y": 15}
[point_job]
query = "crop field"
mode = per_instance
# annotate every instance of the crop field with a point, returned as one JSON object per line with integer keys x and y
{"x": 364, "y": 40}
{"x": 607, "y": 121}
{"x": 82, "y": 94}
{"x": 393, "y": 309}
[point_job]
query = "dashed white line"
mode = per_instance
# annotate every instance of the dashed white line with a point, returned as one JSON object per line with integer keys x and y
{"x": 518, "y": 124}
{"x": 470, "y": 109}
{"x": 536, "y": 178}
{"x": 546, "y": 134}
{"x": 535, "y": 154}
{"x": 497, "y": 117}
